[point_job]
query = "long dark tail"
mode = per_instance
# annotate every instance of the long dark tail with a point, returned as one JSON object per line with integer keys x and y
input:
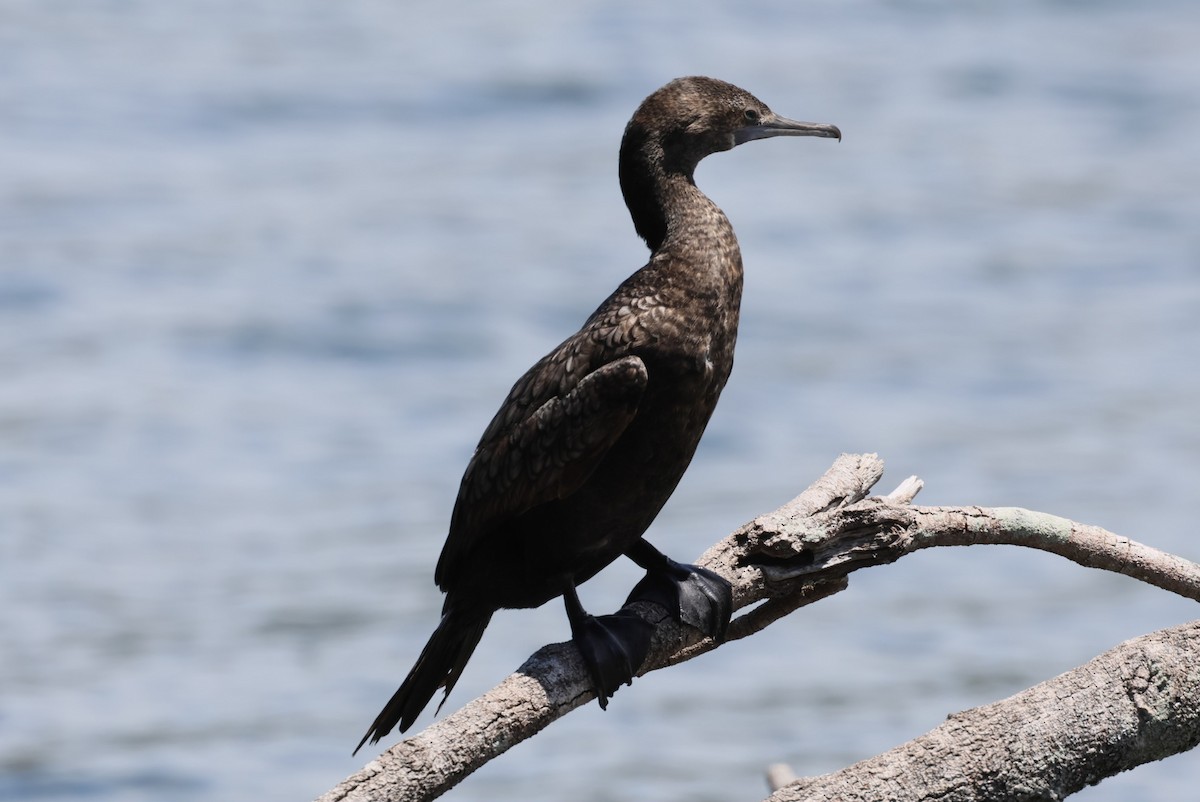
{"x": 440, "y": 665}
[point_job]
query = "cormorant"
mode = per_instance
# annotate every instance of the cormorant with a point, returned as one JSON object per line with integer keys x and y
{"x": 592, "y": 440}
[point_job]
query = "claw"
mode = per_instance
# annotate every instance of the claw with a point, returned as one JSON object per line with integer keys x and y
{"x": 695, "y": 596}
{"x": 613, "y": 648}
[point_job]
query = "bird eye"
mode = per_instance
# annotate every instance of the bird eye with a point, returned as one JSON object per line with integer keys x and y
{"x": 751, "y": 115}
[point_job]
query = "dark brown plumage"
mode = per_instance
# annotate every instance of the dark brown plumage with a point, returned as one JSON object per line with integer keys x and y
{"x": 592, "y": 440}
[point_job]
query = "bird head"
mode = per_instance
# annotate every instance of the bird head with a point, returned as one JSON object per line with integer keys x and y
{"x": 690, "y": 118}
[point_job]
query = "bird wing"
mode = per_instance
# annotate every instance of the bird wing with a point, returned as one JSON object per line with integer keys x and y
{"x": 555, "y": 427}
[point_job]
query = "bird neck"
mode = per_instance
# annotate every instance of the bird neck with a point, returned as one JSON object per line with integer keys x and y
{"x": 667, "y": 207}
{"x": 693, "y": 221}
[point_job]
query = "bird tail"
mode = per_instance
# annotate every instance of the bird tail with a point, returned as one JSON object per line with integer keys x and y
{"x": 440, "y": 665}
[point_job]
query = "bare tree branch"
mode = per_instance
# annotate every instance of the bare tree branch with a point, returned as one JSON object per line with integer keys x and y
{"x": 781, "y": 561}
{"x": 877, "y": 531}
{"x": 1131, "y": 705}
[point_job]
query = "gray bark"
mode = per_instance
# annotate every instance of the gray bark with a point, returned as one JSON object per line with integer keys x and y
{"x": 798, "y": 554}
{"x": 1131, "y": 705}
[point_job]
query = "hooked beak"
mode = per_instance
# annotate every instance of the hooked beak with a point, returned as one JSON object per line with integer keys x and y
{"x": 774, "y": 125}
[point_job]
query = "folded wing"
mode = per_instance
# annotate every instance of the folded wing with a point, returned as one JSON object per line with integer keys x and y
{"x": 553, "y": 430}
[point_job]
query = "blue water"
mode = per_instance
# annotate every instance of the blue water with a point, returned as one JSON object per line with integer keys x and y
{"x": 267, "y": 268}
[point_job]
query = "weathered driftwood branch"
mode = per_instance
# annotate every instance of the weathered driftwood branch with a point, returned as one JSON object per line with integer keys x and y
{"x": 800, "y": 553}
{"x": 1131, "y": 705}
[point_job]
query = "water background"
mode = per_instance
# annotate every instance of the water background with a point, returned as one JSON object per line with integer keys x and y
{"x": 267, "y": 269}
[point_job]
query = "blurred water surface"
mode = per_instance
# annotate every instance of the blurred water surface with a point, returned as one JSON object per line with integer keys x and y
{"x": 267, "y": 268}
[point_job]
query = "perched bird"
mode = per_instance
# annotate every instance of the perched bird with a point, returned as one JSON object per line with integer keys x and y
{"x": 592, "y": 440}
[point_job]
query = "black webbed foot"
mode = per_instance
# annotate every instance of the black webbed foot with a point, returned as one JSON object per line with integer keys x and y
{"x": 613, "y": 648}
{"x": 695, "y": 596}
